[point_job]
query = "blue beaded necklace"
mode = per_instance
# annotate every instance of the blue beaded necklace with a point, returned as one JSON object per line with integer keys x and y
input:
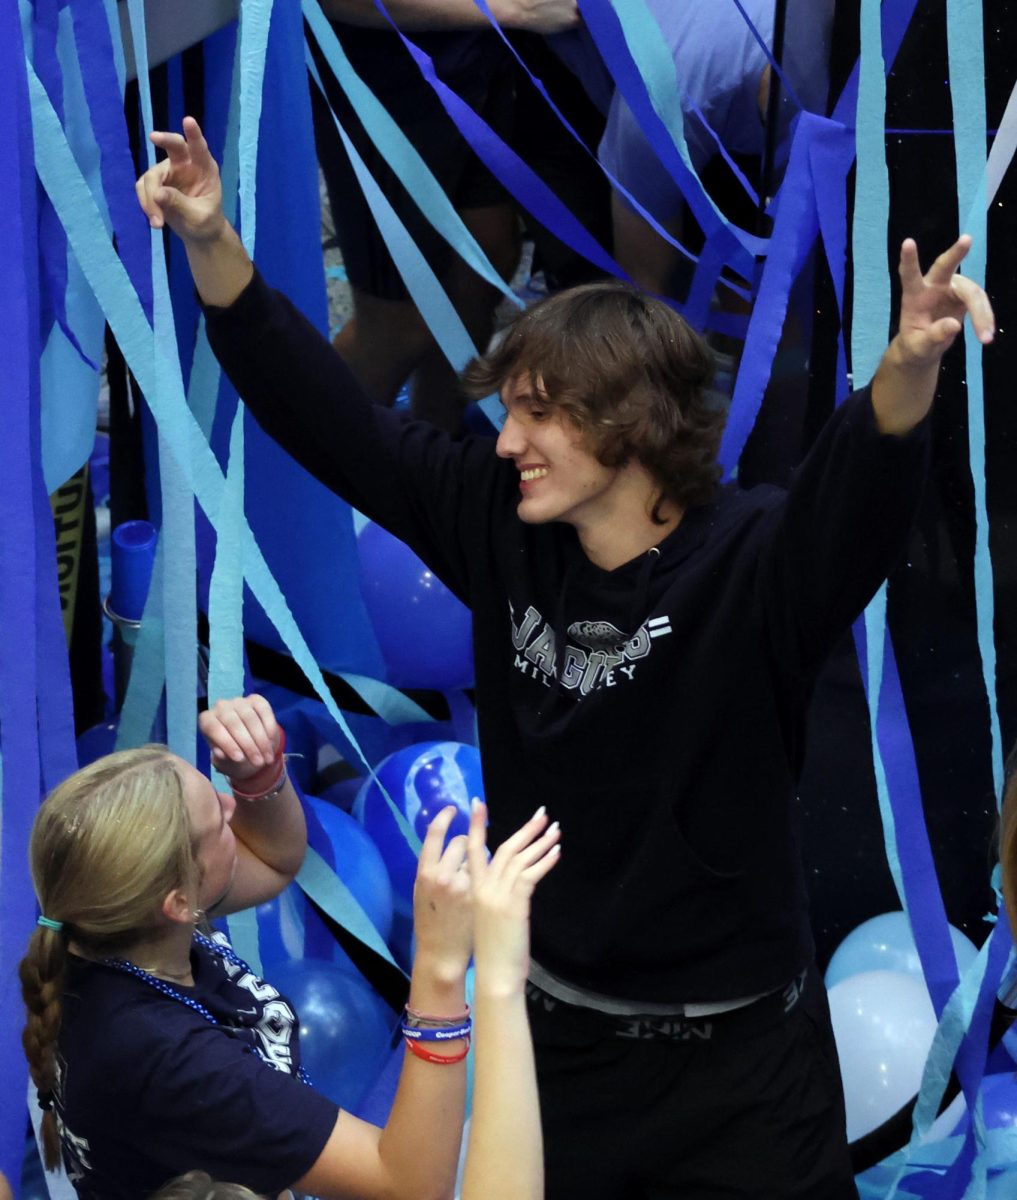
{"x": 167, "y": 989}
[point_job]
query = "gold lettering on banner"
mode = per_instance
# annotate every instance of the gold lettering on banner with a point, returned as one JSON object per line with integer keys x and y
{"x": 68, "y": 505}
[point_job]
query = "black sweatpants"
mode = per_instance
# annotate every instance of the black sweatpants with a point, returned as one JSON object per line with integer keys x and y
{"x": 742, "y": 1106}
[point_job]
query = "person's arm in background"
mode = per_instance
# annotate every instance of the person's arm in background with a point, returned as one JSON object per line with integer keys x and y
{"x": 932, "y": 311}
{"x": 504, "y": 1158}
{"x": 536, "y": 16}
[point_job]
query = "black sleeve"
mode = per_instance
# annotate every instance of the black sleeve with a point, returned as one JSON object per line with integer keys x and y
{"x": 843, "y": 527}
{"x": 406, "y": 475}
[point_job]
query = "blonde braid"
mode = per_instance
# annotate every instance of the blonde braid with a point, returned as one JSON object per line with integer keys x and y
{"x": 42, "y": 976}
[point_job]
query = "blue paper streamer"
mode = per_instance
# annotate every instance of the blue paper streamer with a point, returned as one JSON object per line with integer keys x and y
{"x": 401, "y": 154}
{"x": 965, "y": 38}
{"x": 421, "y": 282}
{"x": 63, "y": 181}
{"x": 255, "y": 17}
{"x": 19, "y": 351}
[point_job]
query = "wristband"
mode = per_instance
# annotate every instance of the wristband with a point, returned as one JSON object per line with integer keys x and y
{"x": 439, "y": 1059}
{"x": 254, "y": 782}
{"x": 450, "y": 1034}
{"x": 274, "y": 790}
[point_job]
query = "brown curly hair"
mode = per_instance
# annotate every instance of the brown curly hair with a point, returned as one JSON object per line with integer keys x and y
{"x": 629, "y": 372}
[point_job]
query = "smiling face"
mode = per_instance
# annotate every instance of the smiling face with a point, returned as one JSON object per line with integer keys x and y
{"x": 215, "y": 847}
{"x": 559, "y": 478}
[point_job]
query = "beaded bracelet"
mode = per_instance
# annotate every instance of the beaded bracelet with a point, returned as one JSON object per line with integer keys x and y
{"x": 439, "y": 1059}
{"x": 274, "y": 788}
{"x": 451, "y": 1034}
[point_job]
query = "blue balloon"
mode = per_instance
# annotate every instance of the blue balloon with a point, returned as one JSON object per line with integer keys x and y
{"x": 999, "y": 1101}
{"x": 289, "y": 928}
{"x": 423, "y": 631}
{"x": 358, "y": 863}
{"x": 96, "y": 742}
{"x": 421, "y": 780}
{"x": 884, "y": 943}
{"x": 346, "y": 1029}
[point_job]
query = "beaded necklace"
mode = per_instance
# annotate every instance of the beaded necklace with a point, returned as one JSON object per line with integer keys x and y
{"x": 167, "y": 989}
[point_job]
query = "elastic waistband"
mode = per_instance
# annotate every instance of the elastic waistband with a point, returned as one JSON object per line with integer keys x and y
{"x": 767, "y": 1011}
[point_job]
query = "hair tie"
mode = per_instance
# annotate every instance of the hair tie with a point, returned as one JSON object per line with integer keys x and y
{"x": 49, "y": 923}
{"x": 44, "y": 1100}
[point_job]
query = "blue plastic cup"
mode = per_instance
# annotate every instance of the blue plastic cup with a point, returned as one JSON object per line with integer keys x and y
{"x": 132, "y": 556}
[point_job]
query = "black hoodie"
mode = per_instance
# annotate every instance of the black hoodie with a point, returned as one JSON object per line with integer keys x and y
{"x": 657, "y": 710}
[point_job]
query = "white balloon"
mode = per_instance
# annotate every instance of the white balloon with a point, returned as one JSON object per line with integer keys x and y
{"x": 884, "y": 943}
{"x": 884, "y": 1023}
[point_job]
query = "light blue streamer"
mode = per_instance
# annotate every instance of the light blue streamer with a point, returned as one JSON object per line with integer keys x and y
{"x": 329, "y": 892}
{"x": 398, "y": 708}
{"x": 69, "y": 385}
{"x": 397, "y": 150}
{"x": 108, "y": 279}
{"x": 243, "y": 935}
{"x": 650, "y": 53}
{"x": 148, "y": 665}
{"x": 113, "y": 18}
{"x": 180, "y": 605}
{"x": 203, "y": 382}
{"x": 179, "y": 599}
{"x": 869, "y": 323}
{"x": 870, "y": 320}
{"x": 875, "y": 636}
{"x": 965, "y": 37}
{"x": 255, "y": 17}
{"x": 421, "y": 282}
{"x": 225, "y": 592}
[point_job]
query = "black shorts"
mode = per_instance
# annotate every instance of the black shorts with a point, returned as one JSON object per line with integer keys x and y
{"x": 741, "y": 1106}
{"x": 484, "y": 79}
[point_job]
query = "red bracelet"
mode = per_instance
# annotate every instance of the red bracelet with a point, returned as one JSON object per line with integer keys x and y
{"x": 422, "y": 1052}
{"x": 253, "y": 781}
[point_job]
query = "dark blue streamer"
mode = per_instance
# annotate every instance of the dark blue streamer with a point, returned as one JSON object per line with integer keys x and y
{"x": 785, "y": 83}
{"x": 921, "y": 886}
{"x": 794, "y": 232}
{"x": 20, "y": 349}
{"x": 106, "y": 110}
{"x": 508, "y": 168}
{"x": 740, "y": 248}
{"x": 615, "y": 182}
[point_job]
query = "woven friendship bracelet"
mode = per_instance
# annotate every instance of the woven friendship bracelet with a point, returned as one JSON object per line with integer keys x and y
{"x": 416, "y": 1019}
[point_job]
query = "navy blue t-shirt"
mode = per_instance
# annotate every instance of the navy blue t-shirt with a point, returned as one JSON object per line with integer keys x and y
{"x": 148, "y": 1088}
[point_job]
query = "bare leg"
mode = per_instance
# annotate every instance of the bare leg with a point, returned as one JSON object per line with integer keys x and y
{"x": 382, "y": 343}
{"x": 650, "y": 262}
{"x": 436, "y": 395}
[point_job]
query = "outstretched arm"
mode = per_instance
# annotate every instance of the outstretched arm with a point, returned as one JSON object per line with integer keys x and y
{"x": 932, "y": 311}
{"x": 415, "y": 1155}
{"x": 504, "y": 1153}
{"x": 538, "y": 16}
{"x": 183, "y": 191}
